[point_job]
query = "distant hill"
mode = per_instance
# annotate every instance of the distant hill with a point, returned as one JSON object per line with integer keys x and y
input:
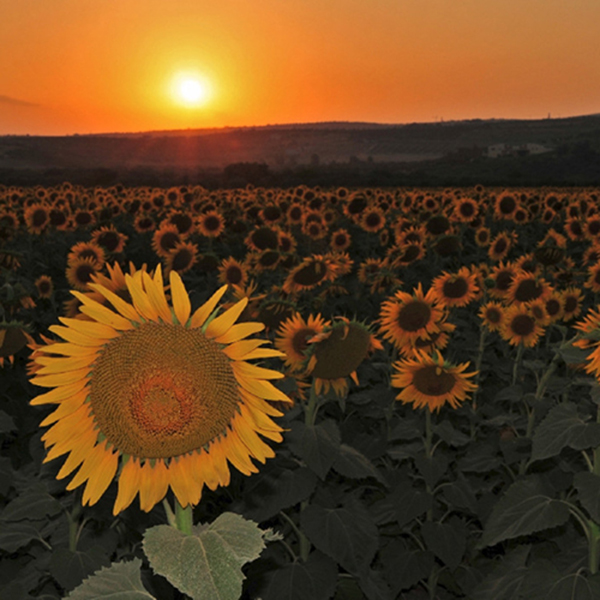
{"x": 417, "y": 146}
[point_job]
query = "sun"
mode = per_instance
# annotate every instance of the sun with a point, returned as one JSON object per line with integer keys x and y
{"x": 191, "y": 90}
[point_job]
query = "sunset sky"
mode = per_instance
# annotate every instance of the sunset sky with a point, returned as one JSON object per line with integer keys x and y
{"x": 91, "y": 66}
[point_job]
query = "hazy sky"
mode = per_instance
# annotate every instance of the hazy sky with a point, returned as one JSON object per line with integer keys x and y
{"x": 83, "y": 66}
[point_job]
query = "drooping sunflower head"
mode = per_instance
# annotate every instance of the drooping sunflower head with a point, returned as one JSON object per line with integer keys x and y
{"x": 13, "y": 337}
{"x": 110, "y": 239}
{"x": 428, "y": 381}
{"x": 182, "y": 258}
{"x": 337, "y": 352}
{"x": 157, "y": 392}
{"x": 311, "y": 272}
{"x": 44, "y": 286}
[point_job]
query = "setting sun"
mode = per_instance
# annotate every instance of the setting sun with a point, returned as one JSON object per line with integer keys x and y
{"x": 191, "y": 90}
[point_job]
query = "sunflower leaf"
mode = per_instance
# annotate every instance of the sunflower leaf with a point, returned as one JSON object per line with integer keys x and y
{"x": 207, "y": 564}
{"x": 316, "y": 579}
{"x": 120, "y": 581}
{"x": 588, "y": 488}
{"x": 31, "y": 505}
{"x": 562, "y": 427}
{"x": 348, "y": 534}
{"x": 525, "y": 508}
{"x": 317, "y": 445}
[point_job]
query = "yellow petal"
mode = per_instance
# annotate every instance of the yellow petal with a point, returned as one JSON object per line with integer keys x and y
{"x": 59, "y": 394}
{"x": 253, "y": 443}
{"x": 218, "y": 463}
{"x": 201, "y": 314}
{"x": 140, "y": 298}
{"x": 100, "y": 478}
{"x": 57, "y": 379}
{"x": 238, "y": 332}
{"x": 262, "y": 389}
{"x": 79, "y": 449}
{"x": 129, "y": 485}
{"x": 259, "y": 404}
{"x": 156, "y": 296}
{"x": 247, "y": 370}
{"x": 65, "y": 408}
{"x": 221, "y": 324}
{"x": 66, "y": 349}
{"x": 258, "y": 418}
{"x": 90, "y": 328}
{"x": 179, "y": 298}
{"x": 238, "y": 350}
{"x": 90, "y": 464}
{"x": 186, "y": 490}
{"x": 154, "y": 483}
{"x": 124, "y": 308}
{"x": 69, "y": 426}
{"x": 103, "y": 314}
{"x": 76, "y": 337}
{"x": 264, "y": 353}
{"x": 51, "y": 364}
{"x": 237, "y": 453}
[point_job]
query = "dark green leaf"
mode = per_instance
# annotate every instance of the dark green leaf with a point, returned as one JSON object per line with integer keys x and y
{"x": 545, "y": 581}
{"x": 411, "y": 503}
{"x": 451, "y": 436}
{"x": 7, "y": 423}
{"x": 71, "y": 568}
{"x": 405, "y": 567}
{"x": 31, "y": 505}
{"x": 512, "y": 393}
{"x": 374, "y": 586}
{"x": 446, "y": 540}
{"x": 315, "y": 579}
{"x": 352, "y": 463}
{"x": 16, "y": 535}
{"x": 7, "y": 475}
{"x": 406, "y": 429}
{"x": 563, "y": 427}
{"x": 120, "y": 581}
{"x": 588, "y": 487}
{"x": 431, "y": 469}
{"x": 525, "y": 508}
{"x": 205, "y": 565}
{"x": 318, "y": 445}
{"x": 347, "y": 534}
{"x": 459, "y": 495}
{"x": 506, "y": 580}
{"x": 480, "y": 458}
{"x": 276, "y": 490}
{"x": 573, "y": 355}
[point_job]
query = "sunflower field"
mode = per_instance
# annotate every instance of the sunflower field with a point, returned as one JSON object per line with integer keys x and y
{"x": 303, "y": 393}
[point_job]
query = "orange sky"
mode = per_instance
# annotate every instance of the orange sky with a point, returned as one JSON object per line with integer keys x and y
{"x": 86, "y": 66}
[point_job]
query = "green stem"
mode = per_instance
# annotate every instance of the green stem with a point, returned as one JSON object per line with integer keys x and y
{"x": 310, "y": 413}
{"x": 184, "y": 518}
{"x": 74, "y": 527}
{"x": 593, "y": 542}
{"x": 478, "y": 362}
{"x": 517, "y": 364}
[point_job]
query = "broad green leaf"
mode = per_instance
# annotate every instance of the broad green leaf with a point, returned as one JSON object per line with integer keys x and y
{"x": 525, "y": 508}
{"x": 205, "y": 565}
{"x": 276, "y": 490}
{"x": 31, "y": 505}
{"x": 459, "y": 495}
{"x": 451, "y": 436}
{"x": 7, "y": 475}
{"x": 405, "y": 567}
{"x": 411, "y": 503}
{"x": 545, "y": 581}
{"x": 71, "y": 568}
{"x": 446, "y": 540}
{"x": 317, "y": 445}
{"x": 431, "y": 469}
{"x": 480, "y": 458}
{"x": 314, "y": 579}
{"x": 406, "y": 429}
{"x": 16, "y": 535}
{"x": 347, "y": 534}
{"x": 354, "y": 464}
{"x": 512, "y": 393}
{"x": 374, "y": 585}
{"x": 506, "y": 580}
{"x": 572, "y": 355}
{"x": 7, "y": 423}
{"x": 563, "y": 427}
{"x": 120, "y": 581}
{"x": 588, "y": 487}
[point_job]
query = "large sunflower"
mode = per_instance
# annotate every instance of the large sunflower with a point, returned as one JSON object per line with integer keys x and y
{"x": 157, "y": 393}
{"x": 430, "y": 381}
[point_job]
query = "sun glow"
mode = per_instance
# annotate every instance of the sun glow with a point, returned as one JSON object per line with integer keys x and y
{"x": 191, "y": 90}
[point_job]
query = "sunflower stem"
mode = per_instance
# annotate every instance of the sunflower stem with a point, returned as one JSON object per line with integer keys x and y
{"x": 594, "y": 543}
{"x": 517, "y": 364}
{"x": 184, "y": 517}
{"x": 480, "y": 349}
{"x": 74, "y": 527}
{"x": 310, "y": 413}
